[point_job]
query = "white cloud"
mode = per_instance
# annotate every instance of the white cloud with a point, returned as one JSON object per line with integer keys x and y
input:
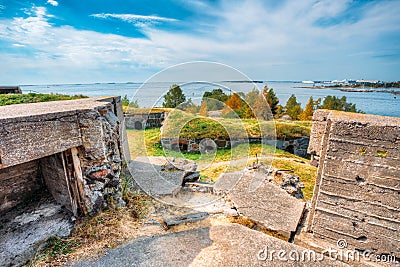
{"x": 138, "y": 20}
{"x": 52, "y": 2}
{"x": 67, "y": 50}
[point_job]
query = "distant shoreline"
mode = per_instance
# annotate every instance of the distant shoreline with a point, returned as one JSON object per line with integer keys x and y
{"x": 354, "y": 89}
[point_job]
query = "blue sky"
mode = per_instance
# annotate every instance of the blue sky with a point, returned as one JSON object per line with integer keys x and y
{"x": 68, "y": 41}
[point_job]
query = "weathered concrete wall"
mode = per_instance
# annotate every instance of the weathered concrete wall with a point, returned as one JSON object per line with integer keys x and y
{"x": 28, "y": 138}
{"x": 357, "y": 190}
{"x": 89, "y": 132}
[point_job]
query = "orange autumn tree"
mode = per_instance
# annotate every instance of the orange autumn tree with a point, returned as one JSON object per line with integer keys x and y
{"x": 235, "y": 107}
{"x": 203, "y": 109}
{"x": 232, "y": 105}
{"x": 234, "y": 102}
{"x": 307, "y": 113}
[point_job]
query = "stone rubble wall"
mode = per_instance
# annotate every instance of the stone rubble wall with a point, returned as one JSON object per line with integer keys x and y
{"x": 145, "y": 120}
{"x": 100, "y": 155}
{"x": 357, "y": 190}
{"x": 298, "y": 146}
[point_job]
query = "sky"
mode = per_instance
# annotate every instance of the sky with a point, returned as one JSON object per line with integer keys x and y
{"x": 87, "y": 41}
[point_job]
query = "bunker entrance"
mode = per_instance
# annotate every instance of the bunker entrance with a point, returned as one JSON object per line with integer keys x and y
{"x": 37, "y": 200}
{"x": 290, "y": 149}
{"x": 57, "y": 176}
{"x": 138, "y": 125}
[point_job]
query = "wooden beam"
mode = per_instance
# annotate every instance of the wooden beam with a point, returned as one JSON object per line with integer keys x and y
{"x": 79, "y": 179}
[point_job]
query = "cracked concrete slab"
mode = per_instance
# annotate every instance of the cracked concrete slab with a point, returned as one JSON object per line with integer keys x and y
{"x": 27, "y": 227}
{"x": 148, "y": 175}
{"x": 223, "y": 245}
{"x": 267, "y": 204}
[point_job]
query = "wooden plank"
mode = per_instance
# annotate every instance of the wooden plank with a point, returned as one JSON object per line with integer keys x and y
{"x": 70, "y": 186}
{"x": 53, "y": 174}
{"x": 79, "y": 179}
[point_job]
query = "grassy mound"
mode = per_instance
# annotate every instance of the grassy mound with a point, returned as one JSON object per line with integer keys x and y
{"x": 191, "y": 126}
{"x": 11, "y": 99}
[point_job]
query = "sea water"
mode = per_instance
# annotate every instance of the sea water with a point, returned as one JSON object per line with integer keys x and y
{"x": 151, "y": 94}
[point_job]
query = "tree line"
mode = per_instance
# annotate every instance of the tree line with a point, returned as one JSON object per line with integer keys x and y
{"x": 254, "y": 104}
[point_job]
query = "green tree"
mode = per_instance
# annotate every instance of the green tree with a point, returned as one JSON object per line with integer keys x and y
{"x": 261, "y": 108}
{"x": 174, "y": 97}
{"x": 215, "y": 99}
{"x": 237, "y": 107}
{"x": 134, "y": 104}
{"x": 125, "y": 101}
{"x": 251, "y": 97}
{"x": 245, "y": 111}
{"x": 189, "y": 106}
{"x": 332, "y": 102}
{"x": 336, "y": 103}
{"x": 271, "y": 99}
{"x": 307, "y": 113}
{"x": 293, "y": 108}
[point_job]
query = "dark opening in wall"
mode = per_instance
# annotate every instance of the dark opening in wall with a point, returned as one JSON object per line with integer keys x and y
{"x": 55, "y": 174}
{"x": 18, "y": 183}
{"x": 35, "y": 204}
{"x": 138, "y": 125}
{"x": 183, "y": 147}
{"x": 290, "y": 149}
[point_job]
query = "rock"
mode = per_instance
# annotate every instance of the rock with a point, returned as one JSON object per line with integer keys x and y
{"x": 286, "y": 118}
{"x": 121, "y": 203}
{"x": 113, "y": 183}
{"x": 191, "y": 177}
{"x": 226, "y": 182}
{"x": 97, "y": 201}
{"x": 179, "y": 165}
{"x": 231, "y": 212}
{"x": 292, "y": 185}
{"x": 198, "y": 187}
{"x": 207, "y": 146}
{"x": 98, "y": 173}
{"x": 187, "y": 218}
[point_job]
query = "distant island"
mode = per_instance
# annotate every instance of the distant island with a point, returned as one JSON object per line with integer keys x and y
{"x": 350, "y": 84}
{"x": 368, "y": 86}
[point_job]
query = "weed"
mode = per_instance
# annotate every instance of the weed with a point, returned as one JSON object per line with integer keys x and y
{"x": 363, "y": 150}
{"x": 381, "y": 153}
{"x": 58, "y": 246}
